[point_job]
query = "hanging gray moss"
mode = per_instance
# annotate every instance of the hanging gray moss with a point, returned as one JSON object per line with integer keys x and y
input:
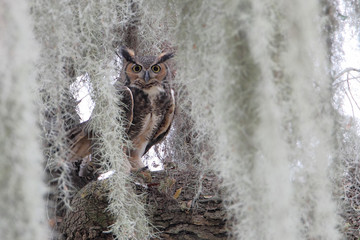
{"x": 259, "y": 88}
{"x": 252, "y": 79}
{"x": 82, "y": 36}
{"x": 22, "y": 187}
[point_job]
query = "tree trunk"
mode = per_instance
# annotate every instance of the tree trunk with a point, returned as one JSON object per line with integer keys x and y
{"x": 176, "y": 208}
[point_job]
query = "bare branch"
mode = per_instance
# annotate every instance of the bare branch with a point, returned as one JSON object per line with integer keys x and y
{"x": 347, "y": 70}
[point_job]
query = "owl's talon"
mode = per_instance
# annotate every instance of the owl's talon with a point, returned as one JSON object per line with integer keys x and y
{"x": 144, "y": 169}
{"x": 135, "y": 171}
{"x": 143, "y": 173}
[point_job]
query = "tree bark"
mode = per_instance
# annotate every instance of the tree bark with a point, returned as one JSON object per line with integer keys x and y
{"x": 177, "y": 208}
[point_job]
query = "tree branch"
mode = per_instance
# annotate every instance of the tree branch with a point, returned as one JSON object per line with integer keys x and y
{"x": 169, "y": 199}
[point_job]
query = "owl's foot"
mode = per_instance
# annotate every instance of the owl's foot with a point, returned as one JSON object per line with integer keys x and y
{"x": 142, "y": 173}
{"x": 134, "y": 170}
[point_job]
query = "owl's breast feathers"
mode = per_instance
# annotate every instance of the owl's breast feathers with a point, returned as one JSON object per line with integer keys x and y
{"x": 153, "y": 113}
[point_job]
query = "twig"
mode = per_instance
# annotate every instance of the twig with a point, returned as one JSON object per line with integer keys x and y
{"x": 352, "y": 97}
{"x": 347, "y": 70}
{"x": 351, "y": 105}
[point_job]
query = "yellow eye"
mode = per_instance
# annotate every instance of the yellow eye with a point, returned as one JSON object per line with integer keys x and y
{"x": 136, "y": 68}
{"x": 156, "y": 68}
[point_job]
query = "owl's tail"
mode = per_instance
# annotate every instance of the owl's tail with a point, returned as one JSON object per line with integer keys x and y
{"x": 80, "y": 142}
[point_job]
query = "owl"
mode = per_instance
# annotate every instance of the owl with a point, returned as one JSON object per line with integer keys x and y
{"x": 148, "y": 102}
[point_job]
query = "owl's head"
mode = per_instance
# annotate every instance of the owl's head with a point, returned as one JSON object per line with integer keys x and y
{"x": 145, "y": 71}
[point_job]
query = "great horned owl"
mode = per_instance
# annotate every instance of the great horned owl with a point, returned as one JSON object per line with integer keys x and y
{"x": 149, "y": 106}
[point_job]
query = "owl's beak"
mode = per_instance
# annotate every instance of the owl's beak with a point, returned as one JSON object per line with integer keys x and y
{"x": 147, "y": 76}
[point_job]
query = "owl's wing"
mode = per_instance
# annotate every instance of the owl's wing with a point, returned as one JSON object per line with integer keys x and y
{"x": 80, "y": 136}
{"x": 126, "y": 104}
{"x": 80, "y": 141}
{"x": 165, "y": 125}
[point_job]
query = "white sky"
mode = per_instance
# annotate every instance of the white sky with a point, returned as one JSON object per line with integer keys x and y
{"x": 81, "y": 91}
{"x": 350, "y": 59}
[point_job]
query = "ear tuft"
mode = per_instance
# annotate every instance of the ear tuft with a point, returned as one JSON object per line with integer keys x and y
{"x": 165, "y": 56}
{"x": 128, "y": 54}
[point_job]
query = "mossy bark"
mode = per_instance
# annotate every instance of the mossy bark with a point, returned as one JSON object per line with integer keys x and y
{"x": 88, "y": 218}
{"x": 176, "y": 208}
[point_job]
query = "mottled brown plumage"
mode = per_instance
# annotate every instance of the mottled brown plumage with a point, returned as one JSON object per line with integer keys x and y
{"x": 149, "y": 106}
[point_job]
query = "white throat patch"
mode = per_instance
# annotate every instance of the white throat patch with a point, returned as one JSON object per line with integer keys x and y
{"x": 154, "y": 90}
